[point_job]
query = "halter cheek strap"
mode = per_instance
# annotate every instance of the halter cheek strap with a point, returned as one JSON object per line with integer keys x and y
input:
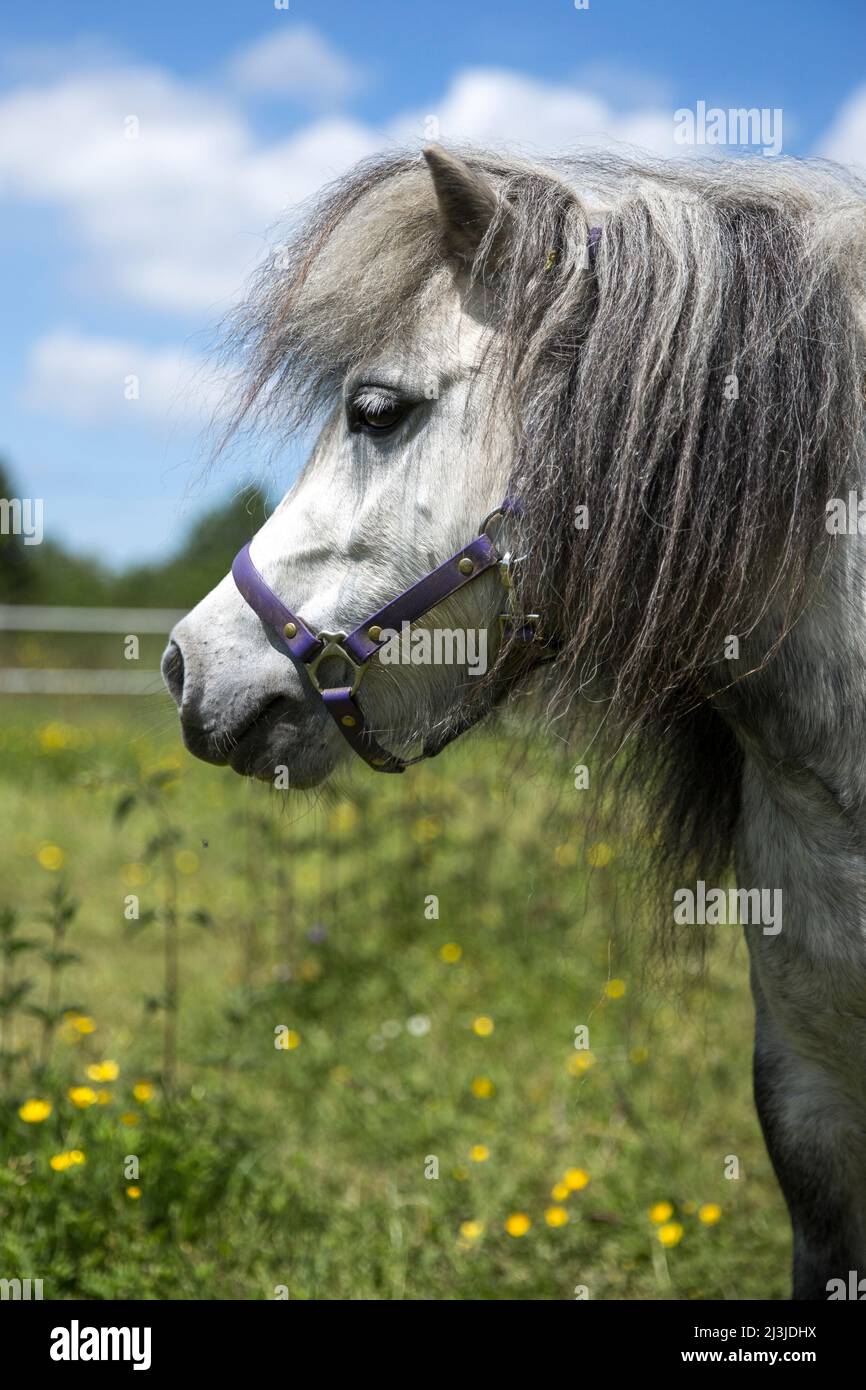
{"x": 310, "y": 649}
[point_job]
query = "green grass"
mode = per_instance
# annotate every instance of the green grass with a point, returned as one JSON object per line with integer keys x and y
{"x": 305, "y": 1168}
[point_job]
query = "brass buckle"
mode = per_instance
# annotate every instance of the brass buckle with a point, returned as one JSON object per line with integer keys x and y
{"x": 333, "y": 646}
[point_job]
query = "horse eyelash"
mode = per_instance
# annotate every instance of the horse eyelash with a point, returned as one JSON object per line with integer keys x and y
{"x": 376, "y": 400}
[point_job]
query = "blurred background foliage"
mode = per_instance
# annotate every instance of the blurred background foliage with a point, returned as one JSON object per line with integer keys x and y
{"x": 370, "y": 1085}
{"x": 51, "y": 574}
{"x": 337, "y": 1033}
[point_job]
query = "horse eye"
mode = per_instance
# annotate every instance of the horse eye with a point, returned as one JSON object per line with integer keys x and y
{"x": 376, "y": 411}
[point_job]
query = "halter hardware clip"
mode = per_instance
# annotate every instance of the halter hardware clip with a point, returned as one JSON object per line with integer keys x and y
{"x": 333, "y": 646}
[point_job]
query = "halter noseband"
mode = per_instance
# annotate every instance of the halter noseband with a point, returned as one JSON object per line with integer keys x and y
{"x": 309, "y": 649}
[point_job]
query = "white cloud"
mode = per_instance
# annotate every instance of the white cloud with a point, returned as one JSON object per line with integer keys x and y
{"x": 296, "y": 63}
{"x": 176, "y": 217}
{"x": 846, "y": 139}
{"x": 499, "y": 108}
{"x": 96, "y": 381}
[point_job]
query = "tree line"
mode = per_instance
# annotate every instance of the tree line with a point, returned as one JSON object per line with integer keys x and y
{"x": 51, "y": 573}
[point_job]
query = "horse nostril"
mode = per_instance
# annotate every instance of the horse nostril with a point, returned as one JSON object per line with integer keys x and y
{"x": 172, "y": 671}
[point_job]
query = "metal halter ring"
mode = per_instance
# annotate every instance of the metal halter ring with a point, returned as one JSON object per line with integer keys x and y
{"x": 333, "y": 646}
{"x": 497, "y": 511}
{"x": 309, "y": 649}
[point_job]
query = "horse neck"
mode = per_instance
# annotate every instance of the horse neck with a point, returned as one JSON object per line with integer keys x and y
{"x": 801, "y": 721}
{"x": 804, "y": 712}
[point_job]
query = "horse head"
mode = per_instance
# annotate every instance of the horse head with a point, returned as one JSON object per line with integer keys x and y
{"x": 410, "y": 457}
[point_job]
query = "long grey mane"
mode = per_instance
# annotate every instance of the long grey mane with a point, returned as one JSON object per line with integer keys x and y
{"x": 699, "y": 390}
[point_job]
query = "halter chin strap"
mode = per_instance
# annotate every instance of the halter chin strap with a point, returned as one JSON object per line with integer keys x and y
{"x": 309, "y": 649}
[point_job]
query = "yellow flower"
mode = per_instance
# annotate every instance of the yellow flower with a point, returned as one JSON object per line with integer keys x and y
{"x": 82, "y": 1096}
{"x": 134, "y": 1193}
{"x": 103, "y": 1071}
{"x": 483, "y": 1026}
{"x": 639, "y": 1055}
{"x": 292, "y": 1040}
{"x": 556, "y": 1216}
{"x": 482, "y": 1087}
{"x": 130, "y": 1118}
{"x": 471, "y": 1230}
{"x": 559, "y": 1191}
{"x": 81, "y": 1023}
{"x": 451, "y": 952}
{"x": 54, "y": 736}
{"x": 598, "y": 856}
{"x": 615, "y": 989}
{"x": 33, "y": 1112}
{"x": 518, "y": 1224}
{"x": 143, "y": 1091}
{"x": 51, "y": 857}
{"x": 670, "y": 1234}
{"x": 660, "y": 1212}
{"x": 575, "y": 1179}
{"x": 580, "y": 1062}
{"x": 479, "y": 1153}
{"x": 60, "y": 1162}
{"x": 186, "y": 861}
{"x": 710, "y": 1213}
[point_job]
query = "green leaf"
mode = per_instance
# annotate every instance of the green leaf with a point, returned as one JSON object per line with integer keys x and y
{"x": 144, "y": 919}
{"x": 13, "y": 996}
{"x": 124, "y": 806}
{"x": 60, "y": 958}
{"x": 17, "y": 944}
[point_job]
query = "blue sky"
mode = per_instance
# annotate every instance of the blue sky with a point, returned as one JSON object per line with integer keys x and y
{"x": 119, "y": 255}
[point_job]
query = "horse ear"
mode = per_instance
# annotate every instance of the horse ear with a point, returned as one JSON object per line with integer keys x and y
{"x": 467, "y": 202}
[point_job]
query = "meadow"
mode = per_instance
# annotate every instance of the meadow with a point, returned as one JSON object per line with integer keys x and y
{"x": 332, "y": 1048}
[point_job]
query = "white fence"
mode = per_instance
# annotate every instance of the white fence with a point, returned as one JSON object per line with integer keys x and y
{"x": 32, "y": 680}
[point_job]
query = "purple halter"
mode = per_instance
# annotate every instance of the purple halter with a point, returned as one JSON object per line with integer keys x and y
{"x": 356, "y": 648}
